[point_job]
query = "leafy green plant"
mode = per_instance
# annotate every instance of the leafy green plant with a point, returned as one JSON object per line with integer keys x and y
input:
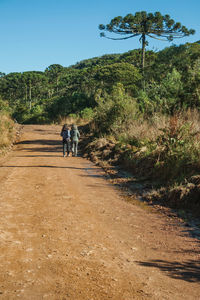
{"x": 143, "y": 25}
{"x": 87, "y": 114}
{"x": 113, "y": 111}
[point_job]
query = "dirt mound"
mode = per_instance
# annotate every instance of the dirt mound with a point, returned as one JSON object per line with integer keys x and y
{"x": 102, "y": 150}
{"x": 185, "y": 196}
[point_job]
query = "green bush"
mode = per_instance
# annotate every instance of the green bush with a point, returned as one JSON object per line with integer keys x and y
{"x": 4, "y": 106}
{"x": 164, "y": 96}
{"x": 114, "y": 111}
{"x": 87, "y": 114}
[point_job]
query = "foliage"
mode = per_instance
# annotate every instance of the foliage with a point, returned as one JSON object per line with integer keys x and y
{"x": 171, "y": 83}
{"x": 26, "y": 86}
{"x": 6, "y": 130}
{"x": 87, "y": 113}
{"x": 123, "y": 73}
{"x": 132, "y": 57}
{"x": 144, "y": 24}
{"x": 156, "y": 129}
{"x": 4, "y": 106}
{"x": 172, "y": 154}
{"x": 178, "y": 148}
{"x": 54, "y": 73}
{"x": 164, "y": 96}
{"x": 182, "y": 58}
{"x": 114, "y": 111}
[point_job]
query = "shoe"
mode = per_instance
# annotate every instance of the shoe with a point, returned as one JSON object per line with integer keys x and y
{"x": 64, "y": 155}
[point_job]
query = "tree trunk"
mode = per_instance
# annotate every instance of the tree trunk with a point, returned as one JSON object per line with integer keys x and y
{"x": 143, "y": 50}
{"x": 143, "y": 57}
{"x": 26, "y": 92}
{"x": 30, "y": 100}
{"x": 57, "y": 84}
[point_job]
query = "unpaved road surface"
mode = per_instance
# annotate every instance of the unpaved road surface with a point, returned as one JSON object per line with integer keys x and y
{"x": 67, "y": 233}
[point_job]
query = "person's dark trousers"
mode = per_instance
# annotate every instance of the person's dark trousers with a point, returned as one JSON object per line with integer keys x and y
{"x": 66, "y": 147}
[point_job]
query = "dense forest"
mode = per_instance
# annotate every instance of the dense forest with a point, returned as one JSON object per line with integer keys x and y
{"x": 171, "y": 78}
{"x": 150, "y": 115}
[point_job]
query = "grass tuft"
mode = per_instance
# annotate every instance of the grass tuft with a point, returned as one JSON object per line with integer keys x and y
{"x": 6, "y": 131}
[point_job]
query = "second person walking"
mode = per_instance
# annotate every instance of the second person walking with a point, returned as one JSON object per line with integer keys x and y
{"x": 75, "y": 135}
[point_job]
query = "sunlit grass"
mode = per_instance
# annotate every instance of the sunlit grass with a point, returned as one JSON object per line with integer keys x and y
{"x": 6, "y": 131}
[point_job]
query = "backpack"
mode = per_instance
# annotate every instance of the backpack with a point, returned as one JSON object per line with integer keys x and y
{"x": 66, "y": 135}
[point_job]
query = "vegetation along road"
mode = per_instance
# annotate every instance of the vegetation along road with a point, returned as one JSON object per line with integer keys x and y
{"x": 67, "y": 233}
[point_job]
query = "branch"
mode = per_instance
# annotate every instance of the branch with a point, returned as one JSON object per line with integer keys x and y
{"x": 153, "y": 37}
{"x": 166, "y": 33}
{"x": 118, "y": 30}
{"x": 125, "y": 38}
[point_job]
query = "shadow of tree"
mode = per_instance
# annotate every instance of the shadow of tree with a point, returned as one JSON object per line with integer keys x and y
{"x": 188, "y": 270}
{"x": 46, "y": 145}
{"x": 40, "y": 142}
{"x": 44, "y": 166}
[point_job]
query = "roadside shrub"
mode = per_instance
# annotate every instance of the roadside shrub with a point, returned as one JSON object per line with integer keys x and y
{"x": 174, "y": 153}
{"x": 6, "y": 130}
{"x": 114, "y": 111}
{"x": 178, "y": 148}
{"x": 87, "y": 114}
{"x": 4, "y": 106}
{"x": 21, "y": 112}
{"x": 163, "y": 147}
{"x": 165, "y": 96}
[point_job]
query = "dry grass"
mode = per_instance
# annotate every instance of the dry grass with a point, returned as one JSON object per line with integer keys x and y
{"x": 149, "y": 129}
{"x": 6, "y": 131}
{"x": 162, "y": 150}
{"x": 72, "y": 120}
{"x": 146, "y": 129}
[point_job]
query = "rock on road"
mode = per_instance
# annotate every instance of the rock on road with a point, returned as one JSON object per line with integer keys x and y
{"x": 67, "y": 233}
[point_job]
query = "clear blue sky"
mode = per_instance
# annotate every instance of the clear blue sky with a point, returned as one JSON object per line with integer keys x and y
{"x": 38, "y": 33}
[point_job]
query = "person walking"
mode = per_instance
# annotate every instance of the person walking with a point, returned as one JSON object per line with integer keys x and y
{"x": 75, "y": 135}
{"x": 65, "y": 133}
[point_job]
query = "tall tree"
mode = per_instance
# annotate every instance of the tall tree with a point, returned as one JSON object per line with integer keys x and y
{"x": 54, "y": 72}
{"x": 33, "y": 84}
{"x": 2, "y": 74}
{"x": 144, "y": 24}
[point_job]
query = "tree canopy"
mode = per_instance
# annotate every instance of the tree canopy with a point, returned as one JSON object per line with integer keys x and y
{"x": 172, "y": 81}
{"x": 142, "y": 24}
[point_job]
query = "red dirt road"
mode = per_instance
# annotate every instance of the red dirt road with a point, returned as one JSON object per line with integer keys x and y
{"x": 67, "y": 233}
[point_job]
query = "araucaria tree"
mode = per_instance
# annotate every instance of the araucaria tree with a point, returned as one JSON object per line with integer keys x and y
{"x": 145, "y": 24}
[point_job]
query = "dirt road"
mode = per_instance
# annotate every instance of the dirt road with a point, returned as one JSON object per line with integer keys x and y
{"x": 66, "y": 233}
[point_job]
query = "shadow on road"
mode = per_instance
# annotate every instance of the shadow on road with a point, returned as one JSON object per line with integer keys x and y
{"x": 47, "y": 145}
{"x": 41, "y": 155}
{"x": 44, "y": 166}
{"x": 39, "y": 142}
{"x": 188, "y": 270}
